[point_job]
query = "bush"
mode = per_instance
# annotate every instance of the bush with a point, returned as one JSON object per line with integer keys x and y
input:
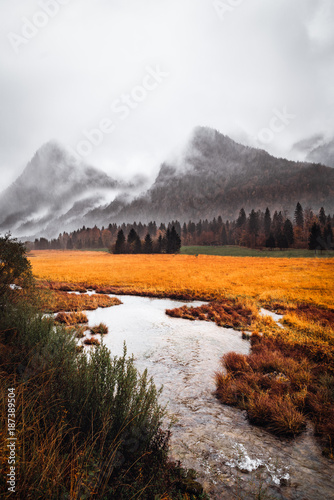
{"x": 14, "y": 266}
{"x": 89, "y": 424}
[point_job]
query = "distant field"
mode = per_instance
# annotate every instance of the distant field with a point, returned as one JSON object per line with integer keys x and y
{"x": 236, "y": 251}
{"x": 266, "y": 280}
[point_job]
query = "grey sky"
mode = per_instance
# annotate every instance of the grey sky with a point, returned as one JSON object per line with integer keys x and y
{"x": 227, "y": 71}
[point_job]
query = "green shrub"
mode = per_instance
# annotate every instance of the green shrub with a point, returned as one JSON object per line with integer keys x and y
{"x": 89, "y": 424}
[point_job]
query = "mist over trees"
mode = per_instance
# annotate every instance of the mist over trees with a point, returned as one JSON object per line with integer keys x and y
{"x": 257, "y": 229}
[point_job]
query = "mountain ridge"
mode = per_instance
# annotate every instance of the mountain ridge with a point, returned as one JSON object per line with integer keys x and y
{"x": 51, "y": 182}
{"x": 213, "y": 175}
{"x": 323, "y": 154}
{"x": 219, "y": 176}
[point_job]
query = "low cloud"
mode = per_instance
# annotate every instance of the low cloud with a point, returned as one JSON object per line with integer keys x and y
{"x": 226, "y": 73}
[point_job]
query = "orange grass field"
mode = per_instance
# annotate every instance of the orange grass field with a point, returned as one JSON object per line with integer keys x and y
{"x": 288, "y": 376}
{"x": 269, "y": 281}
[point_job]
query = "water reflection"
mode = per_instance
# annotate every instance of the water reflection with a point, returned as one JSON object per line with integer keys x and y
{"x": 216, "y": 440}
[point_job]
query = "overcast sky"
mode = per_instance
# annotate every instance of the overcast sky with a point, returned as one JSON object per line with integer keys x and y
{"x": 148, "y": 71}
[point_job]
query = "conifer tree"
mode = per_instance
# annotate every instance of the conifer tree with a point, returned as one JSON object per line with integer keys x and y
{"x": 160, "y": 244}
{"x": 299, "y": 216}
{"x": 314, "y": 240}
{"x": 288, "y": 232}
{"x": 224, "y": 236}
{"x": 120, "y": 242}
{"x": 322, "y": 216}
{"x": 173, "y": 241}
{"x": 281, "y": 240}
{"x": 199, "y": 228}
{"x": 148, "y": 244}
{"x": 328, "y": 236}
{"x": 132, "y": 236}
{"x": 241, "y": 220}
{"x": 277, "y": 224}
{"x": 152, "y": 228}
{"x": 137, "y": 245}
{"x": 270, "y": 241}
{"x": 253, "y": 224}
{"x": 267, "y": 222}
{"x": 168, "y": 241}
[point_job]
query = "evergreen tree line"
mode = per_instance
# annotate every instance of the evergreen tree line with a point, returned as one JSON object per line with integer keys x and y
{"x": 258, "y": 229}
{"x": 169, "y": 243}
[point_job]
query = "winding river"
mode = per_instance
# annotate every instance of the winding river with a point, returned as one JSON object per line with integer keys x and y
{"x": 232, "y": 458}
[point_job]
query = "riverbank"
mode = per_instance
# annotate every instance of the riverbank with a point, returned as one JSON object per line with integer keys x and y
{"x": 81, "y": 425}
{"x": 233, "y": 459}
{"x": 300, "y": 289}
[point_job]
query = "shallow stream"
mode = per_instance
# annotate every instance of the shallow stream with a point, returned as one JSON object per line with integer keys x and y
{"x": 232, "y": 458}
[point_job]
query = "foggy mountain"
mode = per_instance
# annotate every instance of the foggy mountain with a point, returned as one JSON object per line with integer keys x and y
{"x": 323, "y": 154}
{"x": 213, "y": 176}
{"x": 217, "y": 176}
{"x": 53, "y": 193}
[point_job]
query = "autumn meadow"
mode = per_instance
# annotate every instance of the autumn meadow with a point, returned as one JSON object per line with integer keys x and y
{"x": 289, "y": 375}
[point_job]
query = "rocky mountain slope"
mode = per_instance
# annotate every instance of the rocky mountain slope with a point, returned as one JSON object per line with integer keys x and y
{"x": 52, "y": 186}
{"x": 216, "y": 175}
{"x": 213, "y": 176}
{"x": 323, "y": 154}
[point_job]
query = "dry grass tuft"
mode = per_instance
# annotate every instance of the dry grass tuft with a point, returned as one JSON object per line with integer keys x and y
{"x": 285, "y": 419}
{"x": 99, "y": 329}
{"x": 91, "y": 341}
{"x": 73, "y": 318}
{"x": 234, "y": 362}
{"x": 53, "y": 300}
{"x": 226, "y": 313}
{"x": 280, "y": 385}
{"x": 68, "y": 287}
